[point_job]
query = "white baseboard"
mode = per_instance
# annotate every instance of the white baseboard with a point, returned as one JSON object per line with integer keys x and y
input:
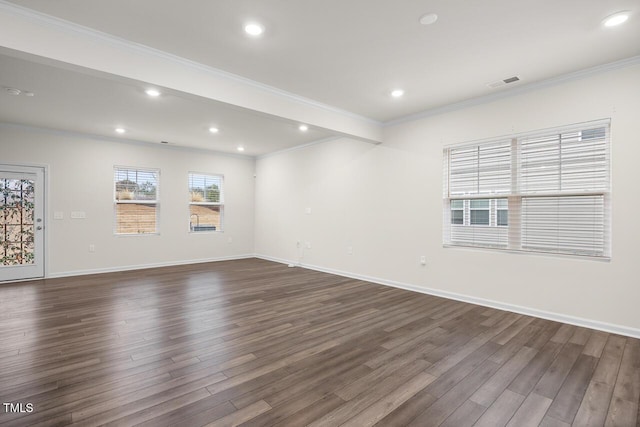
{"x": 557, "y": 317}
{"x": 144, "y": 266}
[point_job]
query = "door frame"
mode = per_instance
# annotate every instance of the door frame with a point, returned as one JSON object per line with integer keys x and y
{"x": 28, "y": 167}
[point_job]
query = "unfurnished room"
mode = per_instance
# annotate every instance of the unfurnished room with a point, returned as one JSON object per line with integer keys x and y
{"x": 319, "y": 213}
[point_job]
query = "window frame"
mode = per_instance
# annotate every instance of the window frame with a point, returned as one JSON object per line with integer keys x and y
{"x": 117, "y": 201}
{"x": 460, "y": 209}
{"x": 593, "y": 160}
{"x": 476, "y": 209}
{"x": 220, "y": 204}
{"x": 497, "y": 212}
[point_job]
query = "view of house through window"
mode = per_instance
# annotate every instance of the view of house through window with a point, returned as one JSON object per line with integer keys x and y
{"x": 490, "y": 212}
{"x": 205, "y": 202}
{"x": 136, "y": 200}
{"x": 546, "y": 191}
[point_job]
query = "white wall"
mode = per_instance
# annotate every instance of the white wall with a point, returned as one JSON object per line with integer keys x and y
{"x": 386, "y": 203}
{"x": 81, "y": 179}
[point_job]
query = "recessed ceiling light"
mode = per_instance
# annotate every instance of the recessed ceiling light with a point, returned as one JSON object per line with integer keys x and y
{"x": 428, "y": 18}
{"x": 303, "y": 128}
{"x": 120, "y": 130}
{"x": 616, "y": 19}
{"x": 397, "y": 93}
{"x": 152, "y": 92}
{"x": 214, "y": 129}
{"x": 241, "y": 148}
{"x": 254, "y": 29}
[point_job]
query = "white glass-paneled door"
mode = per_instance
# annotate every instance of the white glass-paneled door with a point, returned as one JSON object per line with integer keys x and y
{"x": 21, "y": 222}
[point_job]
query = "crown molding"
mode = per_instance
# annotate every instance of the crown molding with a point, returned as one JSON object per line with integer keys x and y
{"x": 121, "y": 43}
{"x": 577, "y": 75}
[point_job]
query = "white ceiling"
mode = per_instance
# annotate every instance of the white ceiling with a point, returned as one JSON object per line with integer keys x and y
{"x": 91, "y": 103}
{"x": 345, "y": 54}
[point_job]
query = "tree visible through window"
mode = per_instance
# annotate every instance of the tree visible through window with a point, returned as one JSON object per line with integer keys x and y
{"x": 17, "y": 207}
{"x": 206, "y": 205}
{"x": 136, "y": 200}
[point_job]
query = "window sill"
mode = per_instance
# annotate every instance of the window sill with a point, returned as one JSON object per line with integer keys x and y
{"x": 525, "y": 252}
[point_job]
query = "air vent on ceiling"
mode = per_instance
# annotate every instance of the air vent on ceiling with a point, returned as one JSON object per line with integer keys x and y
{"x": 503, "y": 82}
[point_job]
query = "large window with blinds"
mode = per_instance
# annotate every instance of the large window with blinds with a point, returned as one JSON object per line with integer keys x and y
{"x": 135, "y": 200}
{"x": 546, "y": 191}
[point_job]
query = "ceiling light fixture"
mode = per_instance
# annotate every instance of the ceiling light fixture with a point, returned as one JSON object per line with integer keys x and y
{"x": 397, "y": 93}
{"x": 241, "y": 148}
{"x": 303, "y": 128}
{"x": 214, "y": 129}
{"x": 616, "y": 19}
{"x": 254, "y": 29}
{"x": 428, "y": 18}
{"x": 152, "y": 92}
{"x": 120, "y": 130}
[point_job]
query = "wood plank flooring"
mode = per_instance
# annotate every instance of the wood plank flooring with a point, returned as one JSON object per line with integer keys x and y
{"x": 255, "y": 343}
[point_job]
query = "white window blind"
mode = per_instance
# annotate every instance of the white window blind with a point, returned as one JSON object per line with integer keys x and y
{"x": 476, "y": 222}
{"x": 206, "y": 207}
{"x": 569, "y": 161}
{"x": 566, "y": 224}
{"x": 481, "y": 169}
{"x": 545, "y": 191}
{"x": 135, "y": 200}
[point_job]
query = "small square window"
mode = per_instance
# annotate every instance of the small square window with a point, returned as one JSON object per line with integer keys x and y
{"x": 502, "y": 212}
{"x": 479, "y": 213}
{"x": 457, "y": 216}
{"x": 479, "y": 217}
{"x": 502, "y": 218}
{"x": 457, "y": 212}
{"x": 480, "y": 204}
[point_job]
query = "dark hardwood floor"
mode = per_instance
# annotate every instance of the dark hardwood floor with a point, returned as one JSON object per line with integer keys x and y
{"x": 255, "y": 343}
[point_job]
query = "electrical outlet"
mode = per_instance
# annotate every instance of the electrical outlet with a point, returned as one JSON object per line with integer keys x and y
{"x": 423, "y": 260}
{"x": 307, "y": 211}
{"x": 349, "y": 250}
{"x": 92, "y": 248}
{"x": 308, "y": 245}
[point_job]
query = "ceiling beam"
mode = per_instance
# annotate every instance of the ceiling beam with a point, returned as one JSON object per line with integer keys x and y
{"x": 35, "y": 33}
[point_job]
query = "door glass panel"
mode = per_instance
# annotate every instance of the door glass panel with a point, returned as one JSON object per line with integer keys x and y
{"x": 17, "y": 222}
